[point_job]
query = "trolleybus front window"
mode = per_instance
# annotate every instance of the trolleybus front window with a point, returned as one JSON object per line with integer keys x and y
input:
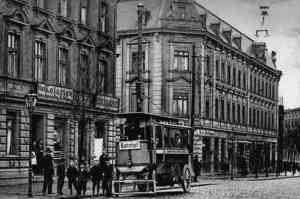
{"x": 135, "y": 130}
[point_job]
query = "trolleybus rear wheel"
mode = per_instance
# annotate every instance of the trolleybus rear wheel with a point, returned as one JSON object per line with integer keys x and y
{"x": 186, "y": 179}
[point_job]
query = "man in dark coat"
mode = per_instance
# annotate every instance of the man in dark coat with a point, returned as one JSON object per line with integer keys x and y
{"x": 197, "y": 167}
{"x": 83, "y": 178}
{"x": 72, "y": 175}
{"x": 60, "y": 171}
{"x": 96, "y": 174}
{"x": 48, "y": 171}
{"x": 107, "y": 177}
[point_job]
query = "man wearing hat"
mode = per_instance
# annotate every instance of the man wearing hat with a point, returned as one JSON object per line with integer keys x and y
{"x": 61, "y": 173}
{"x": 48, "y": 171}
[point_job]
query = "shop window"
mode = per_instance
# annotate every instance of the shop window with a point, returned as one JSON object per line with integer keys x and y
{"x": 13, "y": 59}
{"x": 40, "y": 61}
{"x": 11, "y": 133}
{"x": 84, "y": 71}
{"x": 135, "y": 62}
{"x": 63, "y": 7}
{"x": 181, "y": 60}
{"x": 103, "y": 76}
{"x": 180, "y": 104}
{"x": 63, "y": 65}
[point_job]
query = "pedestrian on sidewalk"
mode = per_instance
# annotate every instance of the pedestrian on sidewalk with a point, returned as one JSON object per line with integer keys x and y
{"x": 197, "y": 168}
{"x": 83, "y": 178}
{"x": 107, "y": 178}
{"x": 48, "y": 171}
{"x": 60, "y": 172}
{"x": 72, "y": 175}
{"x": 96, "y": 174}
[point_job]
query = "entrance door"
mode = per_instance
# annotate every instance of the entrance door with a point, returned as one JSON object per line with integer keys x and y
{"x": 38, "y": 141}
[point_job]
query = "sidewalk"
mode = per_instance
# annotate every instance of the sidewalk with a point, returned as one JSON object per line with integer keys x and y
{"x": 20, "y": 191}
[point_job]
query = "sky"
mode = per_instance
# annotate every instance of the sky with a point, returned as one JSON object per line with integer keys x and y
{"x": 283, "y": 23}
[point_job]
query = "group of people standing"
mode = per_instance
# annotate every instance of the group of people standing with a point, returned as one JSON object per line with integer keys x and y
{"x": 78, "y": 175}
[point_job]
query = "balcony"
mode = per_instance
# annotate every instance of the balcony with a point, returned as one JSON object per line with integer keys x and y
{"x": 131, "y": 76}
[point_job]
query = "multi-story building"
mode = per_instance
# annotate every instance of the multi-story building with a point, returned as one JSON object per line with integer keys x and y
{"x": 291, "y": 136}
{"x": 236, "y": 80}
{"x": 64, "y": 51}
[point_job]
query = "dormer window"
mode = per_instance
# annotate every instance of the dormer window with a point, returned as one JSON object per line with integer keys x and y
{"x": 63, "y": 5}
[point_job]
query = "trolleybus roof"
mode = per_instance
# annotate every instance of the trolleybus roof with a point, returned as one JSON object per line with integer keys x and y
{"x": 146, "y": 116}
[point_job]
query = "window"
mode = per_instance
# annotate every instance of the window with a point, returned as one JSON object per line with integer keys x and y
{"x": 228, "y": 112}
{"x": 103, "y": 76}
{"x": 244, "y": 114}
{"x": 207, "y": 109}
{"x": 135, "y": 62}
{"x": 63, "y": 7}
{"x": 40, "y": 3}
{"x": 180, "y": 105}
{"x": 63, "y": 65}
{"x": 13, "y": 61}
{"x": 254, "y": 117}
{"x": 222, "y": 110}
{"x": 223, "y": 72}
{"x": 83, "y": 15}
{"x": 250, "y": 116}
{"x": 103, "y": 18}
{"x": 11, "y": 134}
{"x": 182, "y": 12}
{"x": 233, "y": 113}
{"x": 40, "y": 61}
{"x": 234, "y": 77}
{"x": 217, "y": 70}
{"x": 238, "y": 113}
{"x": 217, "y": 109}
{"x": 239, "y": 79}
{"x": 244, "y": 80}
{"x": 228, "y": 74}
{"x": 257, "y": 118}
{"x": 84, "y": 70}
{"x": 251, "y": 83}
{"x": 254, "y": 85}
{"x": 181, "y": 60}
{"x": 207, "y": 68}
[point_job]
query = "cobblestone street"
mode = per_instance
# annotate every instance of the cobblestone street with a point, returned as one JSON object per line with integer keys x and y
{"x": 226, "y": 189}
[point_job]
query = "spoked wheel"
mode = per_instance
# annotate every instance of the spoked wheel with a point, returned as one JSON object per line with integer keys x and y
{"x": 186, "y": 179}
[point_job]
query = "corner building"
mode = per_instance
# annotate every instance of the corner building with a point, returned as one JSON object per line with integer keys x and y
{"x": 236, "y": 81}
{"x": 64, "y": 51}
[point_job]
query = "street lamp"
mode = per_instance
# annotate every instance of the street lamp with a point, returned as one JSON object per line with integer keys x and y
{"x": 31, "y": 100}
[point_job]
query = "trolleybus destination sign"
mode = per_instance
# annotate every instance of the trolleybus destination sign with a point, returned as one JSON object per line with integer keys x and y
{"x": 130, "y": 145}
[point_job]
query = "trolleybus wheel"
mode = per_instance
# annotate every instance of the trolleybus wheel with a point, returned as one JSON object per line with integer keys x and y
{"x": 186, "y": 179}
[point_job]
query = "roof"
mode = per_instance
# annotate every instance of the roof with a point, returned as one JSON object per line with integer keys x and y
{"x": 163, "y": 14}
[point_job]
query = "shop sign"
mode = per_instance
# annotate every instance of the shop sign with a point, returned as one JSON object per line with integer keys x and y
{"x": 130, "y": 145}
{"x": 107, "y": 102}
{"x": 54, "y": 92}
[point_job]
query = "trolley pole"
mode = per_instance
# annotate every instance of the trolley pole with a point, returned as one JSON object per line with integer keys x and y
{"x": 139, "y": 99}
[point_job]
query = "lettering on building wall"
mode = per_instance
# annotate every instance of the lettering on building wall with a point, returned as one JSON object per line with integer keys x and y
{"x": 55, "y": 92}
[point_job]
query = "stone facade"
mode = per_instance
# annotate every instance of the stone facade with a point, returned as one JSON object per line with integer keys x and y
{"x": 64, "y": 51}
{"x": 236, "y": 81}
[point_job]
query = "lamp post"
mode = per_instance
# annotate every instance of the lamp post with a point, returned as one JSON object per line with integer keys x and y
{"x": 30, "y": 100}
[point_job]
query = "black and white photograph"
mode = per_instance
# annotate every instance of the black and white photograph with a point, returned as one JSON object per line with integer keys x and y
{"x": 181, "y": 99}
